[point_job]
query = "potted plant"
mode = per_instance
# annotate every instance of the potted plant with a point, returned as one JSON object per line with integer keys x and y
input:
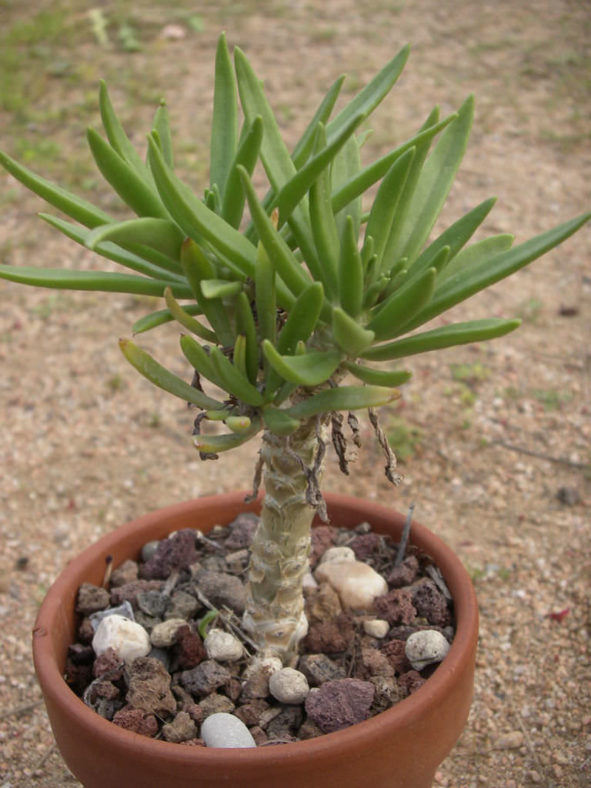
{"x": 286, "y": 308}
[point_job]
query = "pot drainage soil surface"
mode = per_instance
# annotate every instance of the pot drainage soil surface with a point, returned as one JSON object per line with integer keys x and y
{"x": 189, "y": 592}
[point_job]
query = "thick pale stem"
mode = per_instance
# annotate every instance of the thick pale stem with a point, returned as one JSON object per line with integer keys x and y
{"x": 281, "y": 547}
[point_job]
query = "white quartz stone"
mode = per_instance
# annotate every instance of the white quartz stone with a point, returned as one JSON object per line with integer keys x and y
{"x": 356, "y": 583}
{"x": 127, "y": 638}
{"x": 222, "y": 646}
{"x": 337, "y": 554}
{"x": 225, "y": 730}
{"x": 376, "y": 628}
{"x": 425, "y": 648}
{"x": 289, "y": 686}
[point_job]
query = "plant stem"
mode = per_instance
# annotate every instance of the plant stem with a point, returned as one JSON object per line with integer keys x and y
{"x": 279, "y": 554}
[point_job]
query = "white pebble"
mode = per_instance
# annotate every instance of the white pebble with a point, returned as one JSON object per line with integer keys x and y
{"x": 376, "y": 628}
{"x": 267, "y": 663}
{"x": 127, "y": 638}
{"x": 337, "y": 554}
{"x": 225, "y": 730}
{"x": 164, "y": 634}
{"x": 222, "y": 646}
{"x": 289, "y": 686}
{"x": 425, "y": 648}
{"x": 356, "y": 583}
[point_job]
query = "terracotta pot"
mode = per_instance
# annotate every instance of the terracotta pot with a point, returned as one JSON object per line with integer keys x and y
{"x": 400, "y": 748}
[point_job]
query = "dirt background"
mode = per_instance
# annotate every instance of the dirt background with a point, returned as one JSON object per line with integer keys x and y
{"x": 491, "y": 433}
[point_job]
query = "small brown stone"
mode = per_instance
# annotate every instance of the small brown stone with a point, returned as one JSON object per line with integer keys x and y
{"x": 91, "y": 598}
{"x": 137, "y": 721}
{"x": 149, "y": 687}
{"x": 182, "y": 728}
{"x": 404, "y": 574}
{"x": 410, "y": 682}
{"x": 338, "y": 704}
{"x": 396, "y": 607}
{"x": 395, "y": 651}
{"x": 125, "y": 573}
{"x": 189, "y": 649}
{"x": 323, "y": 603}
{"x": 330, "y": 637}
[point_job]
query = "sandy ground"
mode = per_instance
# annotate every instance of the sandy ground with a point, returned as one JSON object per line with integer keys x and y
{"x": 494, "y": 434}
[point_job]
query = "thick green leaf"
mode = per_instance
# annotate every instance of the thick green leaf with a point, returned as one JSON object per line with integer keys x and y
{"x": 200, "y": 360}
{"x": 197, "y": 221}
{"x": 385, "y": 205}
{"x": 359, "y": 182}
{"x": 324, "y": 227}
{"x": 185, "y": 319}
{"x": 455, "y": 237}
{"x": 466, "y": 282}
{"x": 304, "y": 146}
{"x": 434, "y": 183}
{"x": 349, "y": 335}
{"x": 246, "y": 156}
{"x": 379, "y": 377}
{"x": 402, "y": 305}
{"x": 224, "y": 127}
{"x": 310, "y": 369}
{"x": 284, "y": 260}
{"x": 163, "y": 378}
{"x": 81, "y": 210}
{"x": 342, "y": 398}
{"x": 161, "y": 127}
{"x": 65, "y": 279}
{"x": 161, "y": 234}
{"x": 264, "y": 291}
{"x": 350, "y": 271}
{"x": 117, "y": 136}
{"x": 198, "y": 268}
{"x": 160, "y": 317}
{"x": 475, "y": 254}
{"x": 116, "y": 253}
{"x": 347, "y": 165}
{"x": 438, "y": 338}
{"x": 131, "y": 187}
{"x": 214, "y": 444}
{"x": 302, "y": 319}
{"x": 245, "y": 325}
{"x": 371, "y": 95}
{"x": 279, "y": 422}
{"x": 219, "y": 288}
{"x": 297, "y": 187}
{"x": 233, "y": 380}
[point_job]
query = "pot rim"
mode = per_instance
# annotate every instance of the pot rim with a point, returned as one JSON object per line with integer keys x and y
{"x": 407, "y": 712}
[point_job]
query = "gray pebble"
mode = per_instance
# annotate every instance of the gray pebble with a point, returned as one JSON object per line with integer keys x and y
{"x": 149, "y": 549}
{"x": 226, "y": 730}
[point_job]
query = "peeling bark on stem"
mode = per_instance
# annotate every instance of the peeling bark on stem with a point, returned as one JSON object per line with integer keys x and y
{"x": 279, "y": 554}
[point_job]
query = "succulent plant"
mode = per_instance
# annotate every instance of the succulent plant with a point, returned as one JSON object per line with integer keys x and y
{"x": 286, "y": 307}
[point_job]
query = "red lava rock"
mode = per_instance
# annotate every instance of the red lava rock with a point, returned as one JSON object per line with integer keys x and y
{"x": 404, "y": 574}
{"x": 91, "y": 598}
{"x": 233, "y": 689}
{"x": 250, "y": 713}
{"x": 205, "y": 678}
{"x": 366, "y": 545}
{"x": 323, "y": 537}
{"x": 189, "y": 649}
{"x": 394, "y": 651}
{"x": 241, "y": 531}
{"x": 329, "y": 637}
{"x": 176, "y": 552}
{"x": 108, "y": 664}
{"x": 373, "y": 663}
{"x": 149, "y": 687}
{"x": 410, "y": 682}
{"x": 105, "y": 689}
{"x": 130, "y": 591}
{"x": 396, "y": 607}
{"x": 85, "y": 631}
{"x": 430, "y": 603}
{"x": 137, "y": 721}
{"x": 338, "y": 704}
